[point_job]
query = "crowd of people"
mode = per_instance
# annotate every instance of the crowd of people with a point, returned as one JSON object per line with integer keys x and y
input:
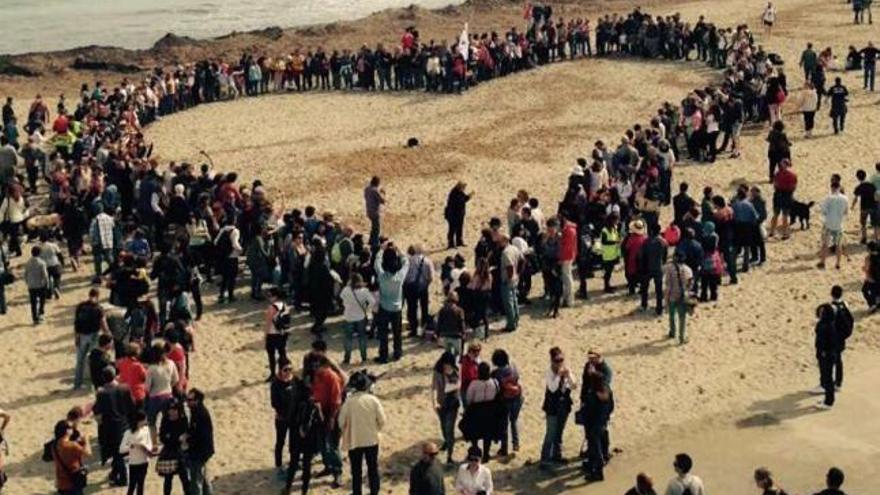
{"x": 177, "y": 229}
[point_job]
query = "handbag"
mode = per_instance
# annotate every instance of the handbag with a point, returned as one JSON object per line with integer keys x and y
{"x": 167, "y": 467}
{"x": 79, "y": 478}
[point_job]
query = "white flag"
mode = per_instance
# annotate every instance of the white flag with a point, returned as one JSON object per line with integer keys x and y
{"x": 464, "y": 43}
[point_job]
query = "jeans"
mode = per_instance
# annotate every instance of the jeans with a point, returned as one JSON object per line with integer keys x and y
{"x": 869, "y": 73}
{"x": 567, "y": 283}
{"x": 375, "y": 231}
{"x": 199, "y": 481}
{"x": 38, "y": 303}
{"x": 357, "y": 456}
{"x": 228, "y": 274}
{"x": 101, "y": 256}
{"x": 137, "y": 475}
{"x": 416, "y": 299}
{"x": 551, "y": 449}
{"x": 680, "y": 308}
{"x": 827, "y": 362}
{"x": 838, "y": 121}
{"x": 330, "y": 454}
{"x": 657, "y": 278}
{"x": 276, "y": 344}
{"x": 448, "y": 414}
{"x": 512, "y": 408}
{"x": 384, "y": 320}
{"x": 510, "y": 304}
{"x": 282, "y": 427}
{"x": 709, "y": 286}
{"x": 352, "y": 328}
{"x": 84, "y": 345}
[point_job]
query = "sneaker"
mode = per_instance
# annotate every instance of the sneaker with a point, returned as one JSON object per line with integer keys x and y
{"x": 822, "y": 406}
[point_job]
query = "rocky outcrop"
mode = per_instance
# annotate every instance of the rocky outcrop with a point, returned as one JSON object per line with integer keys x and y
{"x": 83, "y": 63}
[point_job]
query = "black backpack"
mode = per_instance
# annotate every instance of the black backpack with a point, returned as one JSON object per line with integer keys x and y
{"x": 843, "y": 321}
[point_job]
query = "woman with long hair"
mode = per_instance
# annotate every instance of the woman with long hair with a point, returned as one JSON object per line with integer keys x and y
{"x": 445, "y": 385}
{"x": 136, "y": 442}
{"x": 480, "y": 290}
{"x": 170, "y": 463}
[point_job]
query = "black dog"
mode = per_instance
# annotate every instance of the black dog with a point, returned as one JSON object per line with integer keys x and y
{"x": 800, "y": 212}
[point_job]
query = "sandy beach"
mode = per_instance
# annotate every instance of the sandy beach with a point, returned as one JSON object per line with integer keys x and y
{"x": 734, "y": 395}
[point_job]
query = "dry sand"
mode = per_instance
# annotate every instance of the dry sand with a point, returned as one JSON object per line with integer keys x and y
{"x": 749, "y": 357}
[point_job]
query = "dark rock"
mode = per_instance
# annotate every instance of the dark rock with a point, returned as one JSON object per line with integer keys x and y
{"x": 82, "y": 63}
{"x": 171, "y": 40}
{"x": 7, "y": 68}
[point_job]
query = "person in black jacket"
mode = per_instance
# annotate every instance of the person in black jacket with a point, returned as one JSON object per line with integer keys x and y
{"x": 597, "y": 403}
{"x": 199, "y": 440}
{"x": 306, "y": 425}
{"x": 112, "y": 409}
{"x": 426, "y": 477}
{"x": 833, "y": 328}
{"x": 280, "y": 394}
{"x": 833, "y": 482}
{"x": 174, "y": 424}
{"x": 456, "y": 204}
{"x": 652, "y": 257}
{"x": 100, "y": 358}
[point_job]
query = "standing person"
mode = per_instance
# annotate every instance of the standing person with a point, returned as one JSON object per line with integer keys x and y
{"x": 473, "y": 477}
{"x": 374, "y": 200}
{"x": 597, "y": 404}
{"x": 277, "y": 331}
{"x": 279, "y": 395}
{"x": 481, "y": 420}
{"x": 511, "y": 262}
{"x": 357, "y": 306}
{"x": 36, "y": 277}
{"x": 684, "y": 483}
{"x": 677, "y": 277}
{"x": 568, "y": 251}
{"x": 228, "y": 249}
{"x": 13, "y": 208}
{"x": 559, "y": 384}
{"x": 778, "y": 147}
{"x": 610, "y": 238}
{"x": 163, "y": 380}
{"x": 102, "y": 233}
{"x": 54, "y": 258}
{"x": 652, "y": 257}
{"x": 768, "y": 17}
{"x": 834, "y": 210}
{"x": 100, "y": 358}
{"x": 112, "y": 410}
{"x": 511, "y": 396}
{"x": 391, "y": 269}
{"x": 416, "y": 287}
{"x": 68, "y": 455}
{"x": 170, "y": 462}
{"x": 327, "y": 383}
{"x": 869, "y": 211}
{"x": 746, "y": 227}
{"x": 835, "y": 326}
{"x": 199, "y": 440}
{"x": 361, "y": 419}
{"x": 809, "y": 107}
{"x": 5, "y": 278}
{"x": 138, "y": 445}
{"x": 839, "y": 96}
{"x": 869, "y": 64}
{"x": 764, "y": 482}
{"x": 307, "y": 433}
{"x": 784, "y": 184}
{"x": 446, "y": 387}
{"x": 89, "y": 320}
{"x": 871, "y": 285}
{"x": 426, "y": 476}
{"x": 833, "y": 481}
{"x": 454, "y": 213}
{"x": 644, "y": 486}
{"x": 808, "y": 62}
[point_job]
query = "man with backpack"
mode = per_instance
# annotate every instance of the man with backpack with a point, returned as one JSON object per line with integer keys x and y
{"x": 835, "y": 325}
{"x": 173, "y": 276}
{"x": 278, "y": 322}
{"x": 228, "y": 244}
{"x": 684, "y": 483}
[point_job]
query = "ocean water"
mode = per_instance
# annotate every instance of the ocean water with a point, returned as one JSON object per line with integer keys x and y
{"x": 42, "y": 25}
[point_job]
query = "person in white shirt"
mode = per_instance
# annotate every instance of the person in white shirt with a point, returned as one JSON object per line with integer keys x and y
{"x": 357, "y": 306}
{"x": 559, "y": 384}
{"x": 769, "y": 18}
{"x": 683, "y": 479}
{"x": 361, "y": 418}
{"x": 834, "y": 209}
{"x": 473, "y": 478}
{"x": 230, "y": 250}
{"x": 137, "y": 443}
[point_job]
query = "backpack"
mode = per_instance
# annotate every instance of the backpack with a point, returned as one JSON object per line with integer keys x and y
{"x": 180, "y": 309}
{"x": 510, "y": 387}
{"x": 282, "y": 319}
{"x": 843, "y": 321}
{"x": 82, "y": 318}
{"x": 224, "y": 243}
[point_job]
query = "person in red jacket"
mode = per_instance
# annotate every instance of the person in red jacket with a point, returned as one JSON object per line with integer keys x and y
{"x": 567, "y": 255}
{"x": 632, "y": 245}
{"x": 133, "y": 373}
{"x": 470, "y": 363}
{"x": 327, "y": 383}
{"x": 784, "y": 185}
